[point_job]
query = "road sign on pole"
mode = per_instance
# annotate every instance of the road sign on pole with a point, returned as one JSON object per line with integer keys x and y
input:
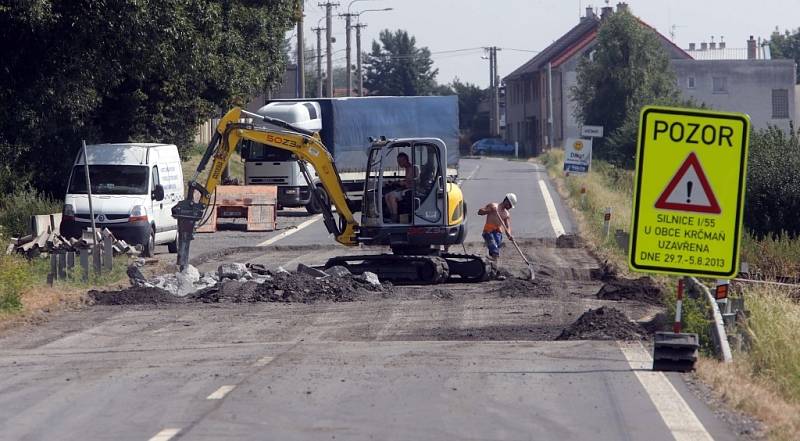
{"x": 577, "y": 155}
{"x": 689, "y": 192}
{"x": 592, "y": 131}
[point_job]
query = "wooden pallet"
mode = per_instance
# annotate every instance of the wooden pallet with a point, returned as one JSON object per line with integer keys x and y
{"x": 256, "y": 203}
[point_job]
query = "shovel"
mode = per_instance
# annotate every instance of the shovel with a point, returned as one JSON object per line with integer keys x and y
{"x": 525, "y": 259}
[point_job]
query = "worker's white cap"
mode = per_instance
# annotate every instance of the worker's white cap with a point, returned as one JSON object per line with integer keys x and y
{"x": 512, "y": 198}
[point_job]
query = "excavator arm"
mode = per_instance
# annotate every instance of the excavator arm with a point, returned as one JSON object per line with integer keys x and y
{"x": 305, "y": 145}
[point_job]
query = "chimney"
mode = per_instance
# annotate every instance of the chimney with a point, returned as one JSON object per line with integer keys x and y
{"x": 606, "y": 12}
{"x": 590, "y": 12}
{"x": 692, "y": 46}
{"x": 712, "y": 45}
{"x": 751, "y": 48}
{"x": 703, "y": 46}
{"x": 722, "y": 45}
{"x": 622, "y": 6}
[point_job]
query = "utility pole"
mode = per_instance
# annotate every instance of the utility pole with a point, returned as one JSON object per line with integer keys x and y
{"x": 329, "y": 44}
{"x": 319, "y": 30}
{"x": 496, "y": 96}
{"x": 349, "y": 74}
{"x": 360, "y": 74}
{"x": 492, "y": 96}
{"x": 301, "y": 56}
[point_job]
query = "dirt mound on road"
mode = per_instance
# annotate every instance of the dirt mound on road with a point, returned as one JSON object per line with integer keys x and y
{"x": 290, "y": 288}
{"x": 642, "y": 290}
{"x": 133, "y": 296}
{"x": 515, "y": 287}
{"x": 605, "y": 323}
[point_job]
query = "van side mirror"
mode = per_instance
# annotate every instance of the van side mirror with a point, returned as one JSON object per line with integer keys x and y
{"x": 158, "y": 193}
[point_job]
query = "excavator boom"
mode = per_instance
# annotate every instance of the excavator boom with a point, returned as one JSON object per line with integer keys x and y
{"x": 305, "y": 145}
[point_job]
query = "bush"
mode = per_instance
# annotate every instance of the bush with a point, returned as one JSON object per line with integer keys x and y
{"x": 17, "y": 208}
{"x": 15, "y": 275}
{"x": 771, "y": 202}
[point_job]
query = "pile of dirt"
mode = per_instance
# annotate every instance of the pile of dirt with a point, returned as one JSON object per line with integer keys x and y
{"x": 569, "y": 241}
{"x": 642, "y": 290}
{"x": 136, "y": 295}
{"x": 605, "y": 323}
{"x": 290, "y": 288}
{"x": 516, "y": 287}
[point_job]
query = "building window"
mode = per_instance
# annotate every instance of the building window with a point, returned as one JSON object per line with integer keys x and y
{"x": 720, "y": 84}
{"x": 690, "y": 82}
{"x": 780, "y": 103}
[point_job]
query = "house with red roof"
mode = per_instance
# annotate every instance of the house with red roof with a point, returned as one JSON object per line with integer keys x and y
{"x": 539, "y": 108}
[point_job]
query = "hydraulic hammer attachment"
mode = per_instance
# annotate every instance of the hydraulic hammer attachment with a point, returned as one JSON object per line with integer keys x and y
{"x": 188, "y": 213}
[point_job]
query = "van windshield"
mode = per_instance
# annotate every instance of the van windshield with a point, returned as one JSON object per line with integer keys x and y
{"x": 110, "y": 179}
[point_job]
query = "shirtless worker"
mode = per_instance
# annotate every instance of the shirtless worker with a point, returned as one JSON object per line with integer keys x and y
{"x": 498, "y": 221}
{"x": 406, "y": 184}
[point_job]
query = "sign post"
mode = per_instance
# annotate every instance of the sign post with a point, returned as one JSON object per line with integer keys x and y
{"x": 689, "y": 192}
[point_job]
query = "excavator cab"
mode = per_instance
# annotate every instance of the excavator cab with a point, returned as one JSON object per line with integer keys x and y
{"x": 408, "y": 203}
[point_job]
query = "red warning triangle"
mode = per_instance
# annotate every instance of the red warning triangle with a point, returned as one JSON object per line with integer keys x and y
{"x": 683, "y": 194}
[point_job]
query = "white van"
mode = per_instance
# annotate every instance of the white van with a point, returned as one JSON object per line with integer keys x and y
{"x": 134, "y": 187}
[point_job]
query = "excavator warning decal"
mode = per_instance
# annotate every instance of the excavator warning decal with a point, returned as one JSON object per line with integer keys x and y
{"x": 683, "y": 194}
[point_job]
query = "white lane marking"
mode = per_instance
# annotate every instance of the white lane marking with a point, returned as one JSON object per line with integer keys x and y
{"x": 165, "y": 435}
{"x": 263, "y": 361}
{"x": 221, "y": 392}
{"x": 551, "y": 209}
{"x": 677, "y": 415}
{"x": 475, "y": 170}
{"x": 288, "y": 233}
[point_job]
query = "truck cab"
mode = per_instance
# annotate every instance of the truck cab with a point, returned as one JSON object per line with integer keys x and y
{"x": 270, "y": 166}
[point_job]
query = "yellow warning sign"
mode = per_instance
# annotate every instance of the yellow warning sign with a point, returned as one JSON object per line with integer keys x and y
{"x": 689, "y": 191}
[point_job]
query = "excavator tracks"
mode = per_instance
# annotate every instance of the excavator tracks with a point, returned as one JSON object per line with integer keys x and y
{"x": 418, "y": 269}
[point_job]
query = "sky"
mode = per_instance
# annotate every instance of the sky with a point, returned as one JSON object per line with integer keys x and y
{"x": 522, "y": 27}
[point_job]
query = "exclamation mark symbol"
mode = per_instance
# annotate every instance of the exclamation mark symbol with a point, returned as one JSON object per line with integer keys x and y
{"x": 689, "y": 192}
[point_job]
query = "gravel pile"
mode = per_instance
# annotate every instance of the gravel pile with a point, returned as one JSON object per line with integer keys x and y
{"x": 137, "y": 295}
{"x": 642, "y": 290}
{"x": 604, "y": 323}
{"x": 516, "y": 287}
{"x": 290, "y": 288}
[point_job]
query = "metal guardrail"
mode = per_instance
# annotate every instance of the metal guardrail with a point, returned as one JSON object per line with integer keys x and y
{"x": 720, "y": 337}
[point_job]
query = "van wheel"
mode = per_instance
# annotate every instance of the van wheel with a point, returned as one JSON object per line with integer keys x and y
{"x": 149, "y": 249}
{"x": 172, "y": 247}
{"x": 312, "y": 207}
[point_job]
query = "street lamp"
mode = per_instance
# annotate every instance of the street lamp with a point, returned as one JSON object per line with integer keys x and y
{"x": 358, "y": 48}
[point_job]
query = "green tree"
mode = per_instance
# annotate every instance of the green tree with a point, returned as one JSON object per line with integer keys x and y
{"x": 786, "y": 45}
{"x": 126, "y": 70}
{"x": 397, "y": 67}
{"x": 628, "y": 69}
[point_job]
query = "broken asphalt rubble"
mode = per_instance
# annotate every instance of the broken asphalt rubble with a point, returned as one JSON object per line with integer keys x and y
{"x": 237, "y": 282}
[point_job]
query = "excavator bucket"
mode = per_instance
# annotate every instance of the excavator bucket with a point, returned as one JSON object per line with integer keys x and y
{"x": 675, "y": 351}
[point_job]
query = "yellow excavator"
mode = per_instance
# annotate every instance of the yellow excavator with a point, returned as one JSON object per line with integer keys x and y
{"x": 408, "y": 202}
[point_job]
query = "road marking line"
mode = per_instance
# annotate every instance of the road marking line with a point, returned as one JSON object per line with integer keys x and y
{"x": 677, "y": 415}
{"x": 221, "y": 392}
{"x": 263, "y": 361}
{"x": 288, "y": 233}
{"x": 165, "y": 435}
{"x": 551, "y": 209}
{"x": 477, "y": 167}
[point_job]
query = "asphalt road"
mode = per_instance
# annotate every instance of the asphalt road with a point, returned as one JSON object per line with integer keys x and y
{"x": 473, "y": 366}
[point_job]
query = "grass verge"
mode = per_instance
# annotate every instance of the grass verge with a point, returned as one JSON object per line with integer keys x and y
{"x": 25, "y": 295}
{"x": 764, "y": 379}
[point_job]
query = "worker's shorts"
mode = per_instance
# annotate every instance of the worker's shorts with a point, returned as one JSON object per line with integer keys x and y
{"x": 398, "y": 194}
{"x": 493, "y": 239}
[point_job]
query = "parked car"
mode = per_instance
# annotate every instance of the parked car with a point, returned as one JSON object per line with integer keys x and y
{"x": 134, "y": 187}
{"x": 492, "y": 146}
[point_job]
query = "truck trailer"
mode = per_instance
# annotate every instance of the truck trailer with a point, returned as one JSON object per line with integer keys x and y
{"x": 346, "y": 126}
